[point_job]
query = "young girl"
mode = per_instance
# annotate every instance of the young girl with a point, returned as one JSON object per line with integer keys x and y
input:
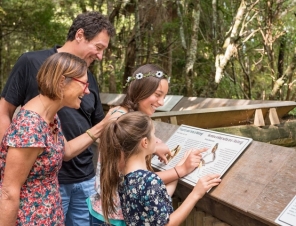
{"x": 146, "y": 91}
{"x": 125, "y": 143}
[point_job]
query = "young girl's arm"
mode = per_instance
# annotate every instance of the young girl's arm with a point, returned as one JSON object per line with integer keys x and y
{"x": 171, "y": 187}
{"x": 202, "y": 186}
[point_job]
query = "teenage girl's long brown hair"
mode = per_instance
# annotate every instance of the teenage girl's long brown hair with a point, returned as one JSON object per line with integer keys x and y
{"x": 140, "y": 89}
{"x": 121, "y": 136}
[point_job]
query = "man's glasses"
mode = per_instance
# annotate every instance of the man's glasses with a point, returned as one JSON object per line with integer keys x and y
{"x": 84, "y": 83}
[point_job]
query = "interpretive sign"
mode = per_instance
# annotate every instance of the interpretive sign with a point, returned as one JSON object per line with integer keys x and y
{"x": 222, "y": 151}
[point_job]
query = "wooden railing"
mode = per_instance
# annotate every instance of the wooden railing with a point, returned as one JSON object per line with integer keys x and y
{"x": 257, "y": 114}
{"x": 213, "y": 112}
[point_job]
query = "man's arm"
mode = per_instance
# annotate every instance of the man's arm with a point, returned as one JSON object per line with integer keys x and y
{"x": 6, "y": 113}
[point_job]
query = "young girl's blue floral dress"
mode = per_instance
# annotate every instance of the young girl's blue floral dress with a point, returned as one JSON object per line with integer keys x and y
{"x": 144, "y": 199}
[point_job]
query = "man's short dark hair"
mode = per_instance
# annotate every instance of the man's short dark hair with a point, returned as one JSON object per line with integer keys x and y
{"x": 92, "y": 23}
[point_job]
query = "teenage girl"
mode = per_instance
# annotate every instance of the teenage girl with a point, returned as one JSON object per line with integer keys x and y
{"x": 146, "y": 91}
{"x": 145, "y": 199}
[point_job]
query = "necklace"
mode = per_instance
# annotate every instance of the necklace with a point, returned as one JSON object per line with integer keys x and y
{"x": 52, "y": 125}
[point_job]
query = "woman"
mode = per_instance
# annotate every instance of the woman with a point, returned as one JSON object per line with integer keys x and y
{"x": 146, "y": 91}
{"x": 33, "y": 148}
{"x": 144, "y": 196}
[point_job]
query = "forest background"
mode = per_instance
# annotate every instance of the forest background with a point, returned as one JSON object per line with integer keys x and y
{"x": 224, "y": 49}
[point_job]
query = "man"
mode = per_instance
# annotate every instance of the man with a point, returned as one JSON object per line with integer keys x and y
{"x": 88, "y": 37}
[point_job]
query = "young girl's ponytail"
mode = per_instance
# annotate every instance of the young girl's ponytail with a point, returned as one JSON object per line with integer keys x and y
{"x": 119, "y": 140}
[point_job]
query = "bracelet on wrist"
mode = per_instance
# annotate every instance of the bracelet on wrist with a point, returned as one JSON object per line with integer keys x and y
{"x": 177, "y": 172}
{"x": 90, "y": 135}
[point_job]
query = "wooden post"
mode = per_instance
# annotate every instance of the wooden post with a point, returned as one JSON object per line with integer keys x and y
{"x": 174, "y": 120}
{"x": 273, "y": 117}
{"x": 259, "y": 120}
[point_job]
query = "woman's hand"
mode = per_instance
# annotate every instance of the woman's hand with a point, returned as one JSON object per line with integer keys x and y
{"x": 162, "y": 151}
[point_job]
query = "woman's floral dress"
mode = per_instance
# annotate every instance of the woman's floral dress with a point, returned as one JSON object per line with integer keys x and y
{"x": 145, "y": 199}
{"x": 40, "y": 201}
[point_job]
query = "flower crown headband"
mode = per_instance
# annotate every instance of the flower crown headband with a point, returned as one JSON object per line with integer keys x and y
{"x": 158, "y": 74}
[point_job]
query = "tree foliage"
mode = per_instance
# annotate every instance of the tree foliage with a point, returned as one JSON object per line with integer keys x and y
{"x": 227, "y": 49}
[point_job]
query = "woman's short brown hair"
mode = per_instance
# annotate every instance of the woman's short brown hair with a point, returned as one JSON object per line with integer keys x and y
{"x": 54, "y": 68}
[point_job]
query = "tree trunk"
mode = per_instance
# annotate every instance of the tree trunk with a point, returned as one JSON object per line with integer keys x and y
{"x": 182, "y": 35}
{"x": 129, "y": 59}
{"x": 288, "y": 73}
{"x": 138, "y": 37}
{"x": 214, "y": 28}
{"x": 109, "y": 59}
{"x": 280, "y": 63}
{"x": 149, "y": 47}
{"x": 281, "y": 56}
{"x": 230, "y": 43}
{"x": 191, "y": 51}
